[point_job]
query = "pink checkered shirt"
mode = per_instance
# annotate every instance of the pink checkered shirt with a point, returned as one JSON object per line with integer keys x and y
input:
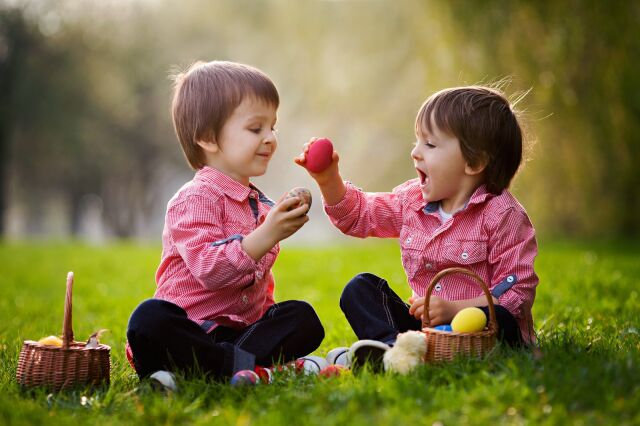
{"x": 492, "y": 236}
{"x": 204, "y": 269}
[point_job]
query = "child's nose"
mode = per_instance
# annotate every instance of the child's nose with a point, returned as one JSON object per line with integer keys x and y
{"x": 415, "y": 154}
{"x": 271, "y": 137}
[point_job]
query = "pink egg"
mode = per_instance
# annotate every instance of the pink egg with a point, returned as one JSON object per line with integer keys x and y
{"x": 319, "y": 155}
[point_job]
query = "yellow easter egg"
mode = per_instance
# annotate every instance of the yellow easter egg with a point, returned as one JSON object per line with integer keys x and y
{"x": 469, "y": 320}
{"x": 51, "y": 341}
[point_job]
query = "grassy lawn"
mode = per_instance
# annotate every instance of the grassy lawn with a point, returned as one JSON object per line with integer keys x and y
{"x": 586, "y": 311}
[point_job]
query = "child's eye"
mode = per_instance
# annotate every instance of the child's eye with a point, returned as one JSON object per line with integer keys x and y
{"x": 255, "y": 130}
{"x": 429, "y": 144}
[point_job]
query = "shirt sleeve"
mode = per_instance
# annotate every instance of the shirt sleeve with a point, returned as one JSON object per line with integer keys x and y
{"x": 512, "y": 253}
{"x": 367, "y": 214}
{"x": 215, "y": 260}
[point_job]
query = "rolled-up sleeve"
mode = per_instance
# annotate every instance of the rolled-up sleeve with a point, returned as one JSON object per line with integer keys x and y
{"x": 215, "y": 260}
{"x": 367, "y": 214}
{"x": 512, "y": 253}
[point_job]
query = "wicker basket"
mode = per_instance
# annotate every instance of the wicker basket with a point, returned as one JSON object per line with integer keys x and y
{"x": 445, "y": 346}
{"x": 67, "y": 366}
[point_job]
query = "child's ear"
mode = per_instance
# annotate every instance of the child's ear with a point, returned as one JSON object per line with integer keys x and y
{"x": 479, "y": 167}
{"x": 208, "y": 146}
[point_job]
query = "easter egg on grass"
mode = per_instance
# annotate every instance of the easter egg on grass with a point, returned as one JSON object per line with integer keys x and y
{"x": 319, "y": 156}
{"x": 302, "y": 193}
{"x": 245, "y": 378}
{"x": 469, "y": 320}
{"x": 333, "y": 370}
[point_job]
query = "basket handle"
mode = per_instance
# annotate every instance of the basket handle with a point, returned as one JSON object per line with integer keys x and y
{"x": 67, "y": 328}
{"x": 493, "y": 324}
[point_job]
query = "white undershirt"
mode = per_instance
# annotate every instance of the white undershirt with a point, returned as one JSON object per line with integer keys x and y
{"x": 444, "y": 216}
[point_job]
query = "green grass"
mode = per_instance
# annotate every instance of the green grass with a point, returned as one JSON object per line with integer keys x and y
{"x": 587, "y": 372}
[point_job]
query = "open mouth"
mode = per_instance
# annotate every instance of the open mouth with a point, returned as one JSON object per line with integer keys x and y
{"x": 423, "y": 176}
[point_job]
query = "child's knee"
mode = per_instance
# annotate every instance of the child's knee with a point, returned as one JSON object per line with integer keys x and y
{"x": 358, "y": 285}
{"x": 148, "y": 317}
{"x": 308, "y": 321}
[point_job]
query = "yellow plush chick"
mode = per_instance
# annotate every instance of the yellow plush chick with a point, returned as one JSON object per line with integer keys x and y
{"x": 469, "y": 320}
{"x": 51, "y": 341}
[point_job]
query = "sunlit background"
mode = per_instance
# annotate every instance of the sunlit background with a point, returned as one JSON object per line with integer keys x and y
{"x": 87, "y": 149}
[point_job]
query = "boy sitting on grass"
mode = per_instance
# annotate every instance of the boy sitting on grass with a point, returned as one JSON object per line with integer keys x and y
{"x": 458, "y": 212}
{"x": 214, "y": 305}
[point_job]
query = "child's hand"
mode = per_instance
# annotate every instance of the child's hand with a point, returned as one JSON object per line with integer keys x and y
{"x": 327, "y": 174}
{"x": 441, "y": 311}
{"x": 285, "y": 218}
{"x": 280, "y": 223}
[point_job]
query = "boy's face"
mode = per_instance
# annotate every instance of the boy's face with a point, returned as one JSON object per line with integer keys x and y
{"x": 246, "y": 142}
{"x": 441, "y": 168}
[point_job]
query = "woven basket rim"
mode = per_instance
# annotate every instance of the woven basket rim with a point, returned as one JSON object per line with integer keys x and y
{"x": 483, "y": 333}
{"x": 73, "y": 346}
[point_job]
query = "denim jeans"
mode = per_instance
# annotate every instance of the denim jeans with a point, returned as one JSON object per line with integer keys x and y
{"x": 376, "y": 312}
{"x": 162, "y": 337}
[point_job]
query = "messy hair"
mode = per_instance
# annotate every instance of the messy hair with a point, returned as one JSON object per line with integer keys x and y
{"x": 486, "y": 125}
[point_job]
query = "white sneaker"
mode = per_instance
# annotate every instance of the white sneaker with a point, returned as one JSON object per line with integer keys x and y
{"x": 312, "y": 364}
{"x": 370, "y": 352}
{"x": 164, "y": 380}
{"x": 339, "y": 356}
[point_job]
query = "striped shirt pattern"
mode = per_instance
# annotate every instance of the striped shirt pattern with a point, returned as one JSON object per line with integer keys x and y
{"x": 492, "y": 236}
{"x": 203, "y": 268}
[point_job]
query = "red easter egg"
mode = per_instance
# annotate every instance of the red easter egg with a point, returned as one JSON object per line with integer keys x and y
{"x": 319, "y": 155}
{"x": 333, "y": 370}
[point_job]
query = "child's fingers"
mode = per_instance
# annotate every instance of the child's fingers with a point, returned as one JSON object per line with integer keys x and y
{"x": 417, "y": 313}
{"x": 300, "y": 210}
{"x": 286, "y": 204}
{"x": 416, "y": 302}
{"x": 301, "y": 159}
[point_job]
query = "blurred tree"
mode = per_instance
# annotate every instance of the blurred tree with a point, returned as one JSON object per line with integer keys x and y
{"x": 17, "y": 38}
{"x": 581, "y": 59}
{"x": 85, "y": 95}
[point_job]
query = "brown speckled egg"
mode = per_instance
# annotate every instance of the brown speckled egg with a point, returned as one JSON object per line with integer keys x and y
{"x": 303, "y": 193}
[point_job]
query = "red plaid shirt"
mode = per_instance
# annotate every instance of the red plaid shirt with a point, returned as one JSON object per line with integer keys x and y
{"x": 492, "y": 236}
{"x": 204, "y": 269}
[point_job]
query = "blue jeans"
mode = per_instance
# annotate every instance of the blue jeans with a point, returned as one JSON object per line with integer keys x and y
{"x": 163, "y": 338}
{"x": 376, "y": 312}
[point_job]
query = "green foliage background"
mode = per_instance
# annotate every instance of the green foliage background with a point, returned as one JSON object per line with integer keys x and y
{"x": 85, "y": 95}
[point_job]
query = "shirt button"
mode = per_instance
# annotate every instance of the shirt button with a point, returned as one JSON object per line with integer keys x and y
{"x": 408, "y": 240}
{"x": 259, "y": 275}
{"x": 438, "y": 287}
{"x": 510, "y": 279}
{"x": 464, "y": 255}
{"x": 428, "y": 266}
{"x": 245, "y": 299}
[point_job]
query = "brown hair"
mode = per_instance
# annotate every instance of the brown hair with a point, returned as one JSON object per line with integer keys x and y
{"x": 485, "y": 123}
{"x": 205, "y": 96}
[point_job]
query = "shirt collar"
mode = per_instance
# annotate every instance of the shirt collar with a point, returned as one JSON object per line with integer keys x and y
{"x": 480, "y": 195}
{"x": 229, "y": 186}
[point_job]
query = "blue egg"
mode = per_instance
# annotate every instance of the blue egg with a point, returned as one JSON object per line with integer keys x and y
{"x": 244, "y": 378}
{"x": 444, "y": 327}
